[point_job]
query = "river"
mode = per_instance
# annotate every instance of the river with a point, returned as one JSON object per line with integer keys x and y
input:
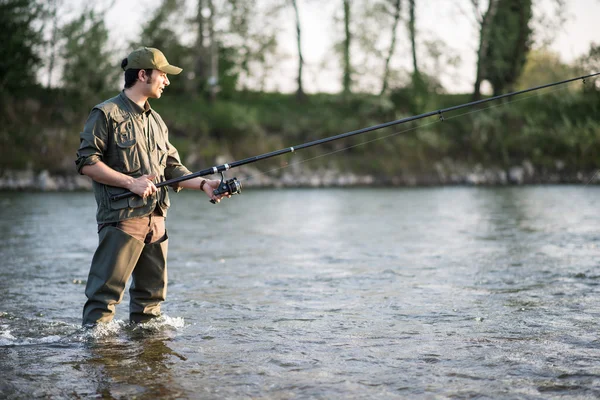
{"x": 456, "y": 292}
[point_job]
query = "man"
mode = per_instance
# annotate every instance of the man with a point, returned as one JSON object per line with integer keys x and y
{"x": 125, "y": 147}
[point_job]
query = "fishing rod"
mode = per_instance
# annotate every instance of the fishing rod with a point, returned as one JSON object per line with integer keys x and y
{"x": 233, "y": 186}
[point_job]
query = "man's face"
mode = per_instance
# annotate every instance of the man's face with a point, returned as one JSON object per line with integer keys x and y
{"x": 156, "y": 83}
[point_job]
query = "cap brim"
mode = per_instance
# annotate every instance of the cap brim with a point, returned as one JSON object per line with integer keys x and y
{"x": 171, "y": 69}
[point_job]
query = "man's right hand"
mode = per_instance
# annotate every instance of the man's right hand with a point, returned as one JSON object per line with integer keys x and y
{"x": 143, "y": 186}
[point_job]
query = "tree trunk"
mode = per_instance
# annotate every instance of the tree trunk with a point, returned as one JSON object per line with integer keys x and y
{"x": 300, "y": 90}
{"x": 53, "y": 40}
{"x": 347, "y": 79}
{"x": 213, "y": 80}
{"x": 201, "y": 62}
{"x": 386, "y": 73}
{"x": 412, "y": 32}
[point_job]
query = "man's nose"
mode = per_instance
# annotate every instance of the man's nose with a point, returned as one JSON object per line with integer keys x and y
{"x": 167, "y": 82}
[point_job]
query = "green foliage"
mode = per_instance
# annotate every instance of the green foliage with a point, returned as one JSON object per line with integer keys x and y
{"x": 415, "y": 97}
{"x": 19, "y": 40}
{"x": 543, "y": 66}
{"x": 228, "y": 73}
{"x": 88, "y": 68}
{"x": 508, "y": 43}
{"x": 232, "y": 122}
{"x": 559, "y": 127}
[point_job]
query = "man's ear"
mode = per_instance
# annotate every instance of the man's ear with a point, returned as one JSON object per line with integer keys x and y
{"x": 142, "y": 76}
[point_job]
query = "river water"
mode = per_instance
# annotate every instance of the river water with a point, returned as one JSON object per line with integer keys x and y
{"x": 317, "y": 293}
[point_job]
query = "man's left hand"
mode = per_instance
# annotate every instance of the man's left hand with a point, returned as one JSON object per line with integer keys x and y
{"x": 210, "y": 186}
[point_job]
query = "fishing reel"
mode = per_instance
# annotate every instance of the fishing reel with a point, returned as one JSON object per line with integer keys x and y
{"x": 231, "y": 186}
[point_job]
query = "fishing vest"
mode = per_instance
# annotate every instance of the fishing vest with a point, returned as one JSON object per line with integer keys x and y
{"x": 137, "y": 144}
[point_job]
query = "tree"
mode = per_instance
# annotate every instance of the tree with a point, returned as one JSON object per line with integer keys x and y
{"x": 234, "y": 45}
{"x": 202, "y": 46}
{"x": 52, "y": 47}
{"x": 20, "y": 40}
{"x": 207, "y": 49}
{"x": 88, "y": 68}
{"x": 413, "y": 34}
{"x": 373, "y": 44}
{"x": 419, "y": 84}
{"x": 252, "y": 32}
{"x": 397, "y": 8}
{"x": 347, "y": 76}
{"x": 299, "y": 90}
{"x": 508, "y": 41}
{"x": 483, "y": 21}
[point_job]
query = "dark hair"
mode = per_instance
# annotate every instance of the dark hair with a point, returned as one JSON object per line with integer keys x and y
{"x": 131, "y": 75}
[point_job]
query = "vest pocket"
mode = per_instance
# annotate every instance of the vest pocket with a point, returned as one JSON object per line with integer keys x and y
{"x": 128, "y": 155}
{"x": 161, "y": 155}
{"x": 113, "y": 191}
{"x": 134, "y": 201}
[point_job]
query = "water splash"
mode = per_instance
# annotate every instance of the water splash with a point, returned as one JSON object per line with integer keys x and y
{"x": 105, "y": 330}
{"x": 116, "y": 328}
{"x": 162, "y": 323}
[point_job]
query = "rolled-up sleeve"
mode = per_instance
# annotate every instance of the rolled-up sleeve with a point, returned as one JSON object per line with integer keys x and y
{"x": 175, "y": 168}
{"x": 92, "y": 141}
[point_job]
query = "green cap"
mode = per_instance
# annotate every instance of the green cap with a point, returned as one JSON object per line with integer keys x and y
{"x": 150, "y": 58}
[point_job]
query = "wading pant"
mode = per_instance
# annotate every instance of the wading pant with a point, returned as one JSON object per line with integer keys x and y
{"x": 134, "y": 248}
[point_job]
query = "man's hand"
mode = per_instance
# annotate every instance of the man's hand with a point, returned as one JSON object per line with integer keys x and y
{"x": 210, "y": 186}
{"x": 143, "y": 186}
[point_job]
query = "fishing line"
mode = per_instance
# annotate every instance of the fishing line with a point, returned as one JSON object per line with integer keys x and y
{"x": 510, "y": 102}
{"x": 592, "y": 178}
{"x": 340, "y": 150}
{"x": 423, "y": 125}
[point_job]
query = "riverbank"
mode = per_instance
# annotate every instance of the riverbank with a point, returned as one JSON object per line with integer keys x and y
{"x": 551, "y": 140}
{"x": 443, "y": 173}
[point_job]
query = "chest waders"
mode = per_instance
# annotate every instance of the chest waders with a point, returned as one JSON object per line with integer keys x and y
{"x": 118, "y": 257}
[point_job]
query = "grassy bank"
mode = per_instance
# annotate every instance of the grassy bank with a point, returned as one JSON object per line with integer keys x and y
{"x": 40, "y": 131}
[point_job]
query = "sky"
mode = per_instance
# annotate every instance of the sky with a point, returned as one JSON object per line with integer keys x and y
{"x": 449, "y": 21}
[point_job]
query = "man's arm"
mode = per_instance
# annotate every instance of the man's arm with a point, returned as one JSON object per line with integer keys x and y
{"x": 143, "y": 186}
{"x": 102, "y": 173}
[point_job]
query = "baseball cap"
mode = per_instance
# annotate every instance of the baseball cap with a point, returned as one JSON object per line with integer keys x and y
{"x": 150, "y": 58}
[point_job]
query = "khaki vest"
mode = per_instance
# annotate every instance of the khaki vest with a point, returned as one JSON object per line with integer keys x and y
{"x": 136, "y": 146}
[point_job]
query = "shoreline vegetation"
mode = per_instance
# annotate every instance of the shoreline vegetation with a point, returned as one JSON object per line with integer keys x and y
{"x": 549, "y": 138}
